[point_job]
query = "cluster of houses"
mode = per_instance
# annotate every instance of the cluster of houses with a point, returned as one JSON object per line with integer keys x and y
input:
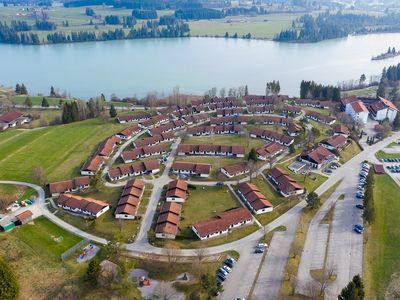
{"x": 167, "y": 224}
{"x": 154, "y": 140}
{"x": 312, "y": 103}
{"x": 222, "y": 223}
{"x": 169, "y": 127}
{"x": 254, "y": 199}
{"x": 209, "y": 130}
{"x": 137, "y": 117}
{"x": 230, "y": 112}
{"x": 219, "y": 150}
{"x": 271, "y": 136}
{"x": 129, "y": 201}
{"x": 283, "y": 183}
{"x": 135, "y": 169}
{"x": 87, "y": 207}
{"x": 13, "y": 119}
{"x": 360, "y": 108}
{"x": 234, "y": 120}
{"x": 129, "y": 132}
{"x": 191, "y": 169}
{"x": 68, "y": 186}
{"x": 142, "y": 152}
{"x": 103, "y": 152}
{"x": 272, "y": 120}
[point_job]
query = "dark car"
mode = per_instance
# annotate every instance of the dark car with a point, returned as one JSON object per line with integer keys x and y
{"x": 360, "y": 206}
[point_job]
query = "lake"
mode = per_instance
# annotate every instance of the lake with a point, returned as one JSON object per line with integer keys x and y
{"x": 136, "y": 67}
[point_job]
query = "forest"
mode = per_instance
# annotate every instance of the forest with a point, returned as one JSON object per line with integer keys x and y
{"x": 325, "y": 26}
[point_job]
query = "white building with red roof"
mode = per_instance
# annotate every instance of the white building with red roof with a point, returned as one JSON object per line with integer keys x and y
{"x": 382, "y": 109}
{"x": 358, "y": 111}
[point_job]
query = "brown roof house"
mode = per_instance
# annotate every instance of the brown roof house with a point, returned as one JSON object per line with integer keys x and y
{"x": 191, "y": 169}
{"x": 129, "y": 201}
{"x": 168, "y": 220}
{"x": 286, "y": 185}
{"x": 234, "y": 170}
{"x": 177, "y": 191}
{"x": 83, "y": 206}
{"x": 254, "y": 199}
{"x": 24, "y": 217}
{"x": 223, "y": 223}
{"x": 341, "y": 129}
{"x": 67, "y": 186}
{"x": 317, "y": 157}
{"x": 269, "y": 150}
{"x": 335, "y": 142}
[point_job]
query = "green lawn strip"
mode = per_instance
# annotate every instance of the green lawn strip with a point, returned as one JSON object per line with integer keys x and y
{"x": 267, "y": 190}
{"x": 381, "y": 257}
{"x": 226, "y": 139}
{"x": 37, "y": 100}
{"x": 365, "y": 92}
{"x": 41, "y": 237}
{"x": 381, "y": 154}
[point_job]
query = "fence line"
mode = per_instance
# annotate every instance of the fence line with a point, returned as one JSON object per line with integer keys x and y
{"x": 72, "y": 250}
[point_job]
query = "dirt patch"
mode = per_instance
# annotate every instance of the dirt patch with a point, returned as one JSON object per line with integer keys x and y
{"x": 393, "y": 290}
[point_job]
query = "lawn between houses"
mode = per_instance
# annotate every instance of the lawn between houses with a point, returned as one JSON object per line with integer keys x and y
{"x": 61, "y": 150}
{"x": 205, "y": 203}
{"x": 381, "y": 257}
{"x": 107, "y": 226}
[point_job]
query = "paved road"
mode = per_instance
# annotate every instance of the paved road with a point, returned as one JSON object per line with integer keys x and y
{"x": 345, "y": 247}
{"x": 273, "y": 268}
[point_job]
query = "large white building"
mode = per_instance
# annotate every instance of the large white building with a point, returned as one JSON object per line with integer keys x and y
{"x": 357, "y": 111}
{"x": 382, "y": 109}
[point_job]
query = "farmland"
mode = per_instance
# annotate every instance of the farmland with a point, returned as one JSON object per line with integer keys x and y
{"x": 60, "y": 150}
{"x": 263, "y": 26}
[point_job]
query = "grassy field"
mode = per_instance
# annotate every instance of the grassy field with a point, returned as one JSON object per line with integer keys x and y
{"x": 366, "y": 92}
{"x": 381, "y": 258}
{"x": 266, "y": 189}
{"x": 41, "y": 237}
{"x": 263, "y": 26}
{"x": 106, "y": 225}
{"x": 349, "y": 152}
{"x": 381, "y": 154}
{"x": 34, "y": 257}
{"x": 60, "y": 150}
{"x": 323, "y": 129}
{"x": 205, "y": 203}
{"x": 37, "y": 101}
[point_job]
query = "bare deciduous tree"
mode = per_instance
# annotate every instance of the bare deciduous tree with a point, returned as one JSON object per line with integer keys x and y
{"x": 38, "y": 176}
{"x": 164, "y": 291}
{"x": 313, "y": 289}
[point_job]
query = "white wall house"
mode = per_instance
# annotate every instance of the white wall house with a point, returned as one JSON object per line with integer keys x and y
{"x": 357, "y": 111}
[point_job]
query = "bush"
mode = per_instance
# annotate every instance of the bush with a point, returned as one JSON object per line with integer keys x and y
{"x": 9, "y": 286}
{"x": 192, "y": 186}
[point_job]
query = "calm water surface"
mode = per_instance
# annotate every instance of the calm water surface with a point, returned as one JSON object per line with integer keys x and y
{"x": 136, "y": 67}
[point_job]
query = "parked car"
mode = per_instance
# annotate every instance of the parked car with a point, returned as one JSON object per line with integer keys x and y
{"x": 259, "y": 250}
{"x": 360, "y": 206}
{"x": 222, "y": 271}
{"x": 221, "y": 278}
{"x": 226, "y": 268}
{"x": 359, "y": 226}
{"x": 220, "y": 184}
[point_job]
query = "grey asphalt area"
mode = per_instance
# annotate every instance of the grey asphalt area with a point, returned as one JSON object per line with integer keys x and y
{"x": 320, "y": 247}
{"x": 273, "y": 268}
{"x": 345, "y": 249}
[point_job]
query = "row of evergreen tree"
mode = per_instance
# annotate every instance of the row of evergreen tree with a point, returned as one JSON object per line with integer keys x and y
{"x": 145, "y": 31}
{"x": 310, "y": 89}
{"x": 11, "y": 35}
{"x": 81, "y": 110}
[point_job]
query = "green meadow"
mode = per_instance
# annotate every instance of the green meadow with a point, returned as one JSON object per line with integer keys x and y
{"x": 61, "y": 150}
